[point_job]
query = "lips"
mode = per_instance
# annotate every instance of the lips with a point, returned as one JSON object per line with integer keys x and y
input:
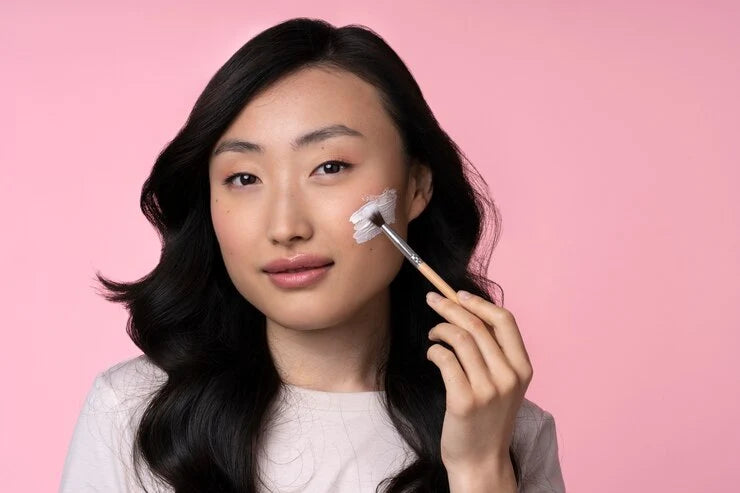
{"x": 287, "y": 271}
{"x": 304, "y": 278}
{"x": 297, "y": 263}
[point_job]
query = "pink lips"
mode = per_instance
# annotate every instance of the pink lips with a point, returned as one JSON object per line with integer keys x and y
{"x": 299, "y": 279}
{"x": 299, "y": 271}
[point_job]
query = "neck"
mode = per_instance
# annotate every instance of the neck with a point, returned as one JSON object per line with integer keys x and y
{"x": 338, "y": 358}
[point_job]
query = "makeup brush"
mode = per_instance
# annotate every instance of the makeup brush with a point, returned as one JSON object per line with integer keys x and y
{"x": 377, "y": 219}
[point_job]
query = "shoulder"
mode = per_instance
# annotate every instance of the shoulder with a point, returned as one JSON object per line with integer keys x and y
{"x": 530, "y": 420}
{"x": 99, "y": 457}
{"x": 530, "y": 412}
{"x": 124, "y": 389}
{"x": 536, "y": 447}
{"x": 131, "y": 379}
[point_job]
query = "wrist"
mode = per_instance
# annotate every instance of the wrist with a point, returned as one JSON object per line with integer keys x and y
{"x": 498, "y": 478}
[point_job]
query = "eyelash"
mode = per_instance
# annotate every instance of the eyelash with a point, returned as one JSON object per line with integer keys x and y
{"x": 340, "y": 162}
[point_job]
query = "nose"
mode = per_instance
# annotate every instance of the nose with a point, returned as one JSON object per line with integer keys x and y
{"x": 288, "y": 220}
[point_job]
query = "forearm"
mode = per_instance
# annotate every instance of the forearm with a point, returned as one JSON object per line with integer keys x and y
{"x": 494, "y": 479}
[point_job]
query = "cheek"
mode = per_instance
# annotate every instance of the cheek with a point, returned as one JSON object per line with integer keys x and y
{"x": 231, "y": 228}
{"x": 220, "y": 216}
{"x": 376, "y": 266}
{"x": 376, "y": 261}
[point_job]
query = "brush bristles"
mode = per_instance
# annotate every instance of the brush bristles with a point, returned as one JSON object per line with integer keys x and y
{"x": 377, "y": 219}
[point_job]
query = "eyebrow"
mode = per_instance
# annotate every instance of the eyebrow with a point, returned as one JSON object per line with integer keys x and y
{"x": 318, "y": 135}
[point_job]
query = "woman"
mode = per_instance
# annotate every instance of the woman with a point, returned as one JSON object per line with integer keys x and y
{"x": 251, "y": 381}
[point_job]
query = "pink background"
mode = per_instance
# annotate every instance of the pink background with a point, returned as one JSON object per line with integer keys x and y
{"x": 608, "y": 134}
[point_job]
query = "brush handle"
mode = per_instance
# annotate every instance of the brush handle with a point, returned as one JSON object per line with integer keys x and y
{"x": 437, "y": 281}
{"x": 417, "y": 262}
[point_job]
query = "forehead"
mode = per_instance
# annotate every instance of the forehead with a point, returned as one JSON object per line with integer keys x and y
{"x": 312, "y": 98}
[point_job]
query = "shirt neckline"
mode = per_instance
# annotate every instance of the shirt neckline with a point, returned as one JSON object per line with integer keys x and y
{"x": 366, "y": 401}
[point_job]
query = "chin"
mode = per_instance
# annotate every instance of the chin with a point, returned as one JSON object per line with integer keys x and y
{"x": 302, "y": 321}
{"x": 306, "y": 314}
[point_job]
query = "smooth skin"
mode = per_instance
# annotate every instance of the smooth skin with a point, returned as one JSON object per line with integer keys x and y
{"x": 286, "y": 199}
{"x": 486, "y": 378}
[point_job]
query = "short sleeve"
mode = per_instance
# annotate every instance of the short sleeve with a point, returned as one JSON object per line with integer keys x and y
{"x": 541, "y": 471}
{"x": 94, "y": 458}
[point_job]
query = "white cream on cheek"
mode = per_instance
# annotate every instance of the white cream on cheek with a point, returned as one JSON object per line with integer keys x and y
{"x": 364, "y": 227}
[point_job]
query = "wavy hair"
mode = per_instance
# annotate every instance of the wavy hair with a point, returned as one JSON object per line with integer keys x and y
{"x": 203, "y": 427}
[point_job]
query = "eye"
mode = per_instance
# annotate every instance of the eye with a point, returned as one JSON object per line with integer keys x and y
{"x": 334, "y": 164}
{"x": 229, "y": 180}
{"x": 240, "y": 180}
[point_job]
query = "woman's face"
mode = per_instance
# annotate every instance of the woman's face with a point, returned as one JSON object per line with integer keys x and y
{"x": 288, "y": 200}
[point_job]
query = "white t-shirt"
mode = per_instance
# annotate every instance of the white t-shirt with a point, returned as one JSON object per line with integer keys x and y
{"x": 318, "y": 442}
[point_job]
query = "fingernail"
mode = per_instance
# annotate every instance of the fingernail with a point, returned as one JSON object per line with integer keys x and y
{"x": 433, "y": 297}
{"x": 463, "y": 295}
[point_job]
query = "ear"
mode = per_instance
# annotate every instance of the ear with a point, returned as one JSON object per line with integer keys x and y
{"x": 419, "y": 191}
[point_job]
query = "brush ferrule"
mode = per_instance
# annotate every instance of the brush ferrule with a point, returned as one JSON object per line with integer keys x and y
{"x": 402, "y": 245}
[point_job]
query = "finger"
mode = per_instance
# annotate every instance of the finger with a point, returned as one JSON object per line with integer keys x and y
{"x": 458, "y": 315}
{"x": 468, "y": 354}
{"x": 458, "y": 390}
{"x": 505, "y": 329}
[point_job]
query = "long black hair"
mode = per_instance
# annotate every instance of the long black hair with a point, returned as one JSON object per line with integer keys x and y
{"x": 202, "y": 428}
